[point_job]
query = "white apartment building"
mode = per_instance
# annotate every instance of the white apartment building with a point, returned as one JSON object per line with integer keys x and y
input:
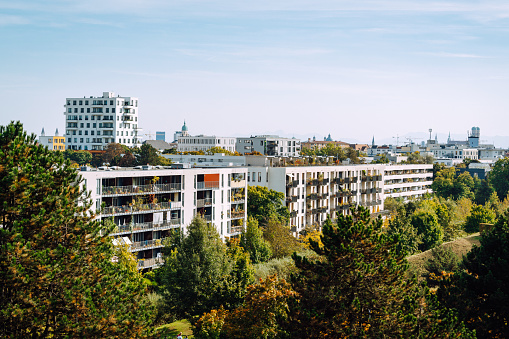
{"x": 213, "y": 160}
{"x": 314, "y": 192}
{"x": 270, "y": 145}
{"x": 146, "y": 204}
{"x": 455, "y": 152}
{"x": 190, "y": 143}
{"x": 53, "y": 142}
{"x": 94, "y": 122}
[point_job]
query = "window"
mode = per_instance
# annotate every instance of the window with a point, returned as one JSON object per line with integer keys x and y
{"x": 74, "y": 102}
{"x": 82, "y": 110}
{"x": 117, "y": 133}
{"x": 118, "y": 118}
{"x": 88, "y": 110}
{"x": 88, "y": 125}
{"x": 81, "y": 125}
{"x": 94, "y": 125}
{"x": 81, "y": 140}
{"x": 86, "y": 102}
{"x": 68, "y": 102}
{"x": 111, "y": 102}
{"x": 91, "y": 132}
{"x": 113, "y": 110}
{"x": 76, "y": 110}
{"x": 76, "y": 140}
{"x": 93, "y": 117}
{"x": 73, "y": 132}
{"x": 81, "y": 102}
{"x": 259, "y": 176}
{"x": 79, "y": 132}
{"x": 107, "y": 110}
{"x": 86, "y": 132}
{"x": 69, "y": 140}
{"x": 69, "y": 110}
{"x": 88, "y": 140}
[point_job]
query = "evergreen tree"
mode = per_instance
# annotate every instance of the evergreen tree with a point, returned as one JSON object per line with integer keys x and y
{"x": 426, "y": 223}
{"x": 254, "y": 244}
{"x": 359, "y": 288}
{"x": 200, "y": 273}
{"x": 57, "y": 276}
{"x": 480, "y": 292}
{"x": 409, "y": 239}
{"x": 148, "y": 155}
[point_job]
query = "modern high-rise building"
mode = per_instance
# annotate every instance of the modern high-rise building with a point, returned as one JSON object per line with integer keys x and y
{"x": 271, "y": 145}
{"x": 94, "y": 122}
{"x": 161, "y": 136}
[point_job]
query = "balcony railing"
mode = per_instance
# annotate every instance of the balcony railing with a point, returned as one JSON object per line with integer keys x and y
{"x": 207, "y": 185}
{"x": 204, "y": 202}
{"x": 238, "y": 201}
{"x": 127, "y": 209}
{"x": 237, "y": 215}
{"x": 147, "y": 263}
{"x": 237, "y": 183}
{"x": 146, "y": 226}
{"x": 140, "y": 189}
{"x": 146, "y": 244}
{"x": 236, "y": 229}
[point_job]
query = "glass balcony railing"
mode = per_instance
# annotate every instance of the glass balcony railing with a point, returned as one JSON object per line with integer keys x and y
{"x": 126, "y": 209}
{"x": 139, "y": 189}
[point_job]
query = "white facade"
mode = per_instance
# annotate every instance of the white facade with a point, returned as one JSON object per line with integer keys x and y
{"x": 188, "y": 143}
{"x": 314, "y": 192}
{"x": 94, "y": 122}
{"x": 215, "y": 160}
{"x": 270, "y": 145}
{"x": 146, "y": 204}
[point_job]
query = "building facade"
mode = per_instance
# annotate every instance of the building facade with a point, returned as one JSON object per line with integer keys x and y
{"x": 270, "y": 145}
{"x": 94, "y": 122}
{"x": 53, "y": 142}
{"x": 146, "y": 204}
{"x": 314, "y": 192}
{"x": 203, "y": 143}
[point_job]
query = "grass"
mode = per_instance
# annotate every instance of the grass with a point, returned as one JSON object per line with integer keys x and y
{"x": 459, "y": 246}
{"x": 176, "y": 327}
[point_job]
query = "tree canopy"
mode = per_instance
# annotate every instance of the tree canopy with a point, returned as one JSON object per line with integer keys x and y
{"x": 499, "y": 177}
{"x": 265, "y": 204}
{"x": 57, "y": 276}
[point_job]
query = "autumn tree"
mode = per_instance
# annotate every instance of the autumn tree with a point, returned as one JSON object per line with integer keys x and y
{"x": 479, "y": 214}
{"x": 147, "y": 155}
{"x": 358, "y": 288}
{"x": 280, "y": 238}
{"x": 57, "y": 274}
{"x": 264, "y": 204}
{"x": 499, "y": 177}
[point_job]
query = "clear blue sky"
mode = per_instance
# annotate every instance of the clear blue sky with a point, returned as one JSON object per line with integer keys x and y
{"x": 350, "y": 68}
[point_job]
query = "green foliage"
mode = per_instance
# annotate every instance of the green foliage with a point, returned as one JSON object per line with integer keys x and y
{"x": 479, "y": 214}
{"x": 381, "y": 160}
{"x": 201, "y": 273}
{"x": 426, "y": 223}
{"x": 417, "y": 158}
{"x": 480, "y": 292}
{"x": 409, "y": 239}
{"x": 216, "y": 149}
{"x": 443, "y": 259}
{"x": 282, "y": 242}
{"x": 79, "y": 157}
{"x": 499, "y": 177}
{"x": 57, "y": 276}
{"x": 254, "y": 244}
{"x": 264, "y": 204}
{"x": 359, "y": 289}
{"x": 148, "y": 155}
{"x": 447, "y": 185}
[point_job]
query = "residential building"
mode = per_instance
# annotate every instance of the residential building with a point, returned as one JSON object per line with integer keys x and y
{"x": 270, "y": 145}
{"x": 53, "y": 142}
{"x": 94, "y": 122}
{"x": 204, "y": 143}
{"x": 147, "y": 203}
{"x": 314, "y": 192}
{"x": 319, "y": 144}
{"x": 213, "y": 160}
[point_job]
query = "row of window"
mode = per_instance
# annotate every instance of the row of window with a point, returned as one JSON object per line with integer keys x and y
{"x": 103, "y": 102}
{"x": 100, "y": 140}
{"x": 94, "y": 117}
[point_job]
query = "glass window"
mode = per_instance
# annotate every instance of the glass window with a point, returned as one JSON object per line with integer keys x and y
{"x": 74, "y": 102}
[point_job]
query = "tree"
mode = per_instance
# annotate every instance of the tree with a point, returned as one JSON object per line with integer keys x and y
{"x": 479, "y": 214}
{"x": 216, "y": 149}
{"x": 79, "y": 157}
{"x": 57, "y": 276}
{"x": 263, "y": 314}
{"x": 499, "y": 177}
{"x": 254, "y": 244}
{"x": 447, "y": 185}
{"x": 128, "y": 160}
{"x": 148, "y": 155}
{"x": 409, "y": 239}
{"x": 200, "y": 273}
{"x": 282, "y": 242}
{"x": 443, "y": 259}
{"x": 114, "y": 153}
{"x": 264, "y": 204}
{"x": 358, "y": 288}
{"x": 426, "y": 223}
{"x": 480, "y": 291}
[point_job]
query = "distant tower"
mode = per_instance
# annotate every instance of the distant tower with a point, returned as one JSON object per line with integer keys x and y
{"x": 473, "y": 138}
{"x": 449, "y": 138}
{"x": 56, "y": 132}
{"x": 436, "y": 138}
{"x": 42, "y": 133}
{"x": 373, "y": 142}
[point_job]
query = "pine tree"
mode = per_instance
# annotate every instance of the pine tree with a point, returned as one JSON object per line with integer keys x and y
{"x": 359, "y": 288}
{"x": 57, "y": 276}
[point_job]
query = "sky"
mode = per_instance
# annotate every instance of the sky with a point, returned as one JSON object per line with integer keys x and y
{"x": 354, "y": 69}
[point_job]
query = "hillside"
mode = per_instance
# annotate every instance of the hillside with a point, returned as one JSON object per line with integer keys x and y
{"x": 459, "y": 246}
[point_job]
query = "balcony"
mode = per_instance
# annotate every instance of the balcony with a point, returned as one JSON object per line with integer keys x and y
{"x": 238, "y": 183}
{"x": 323, "y": 181}
{"x": 140, "y": 189}
{"x": 148, "y": 263}
{"x": 146, "y": 226}
{"x": 146, "y": 244}
{"x": 291, "y": 199}
{"x": 293, "y": 214}
{"x": 312, "y": 196}
{"x": 238, "y": 200}
{"x": 142, "y": 208}
{"x": 234, "y": 230}
{"x": 312, "y": 182}
{"x": 207, "y": 185}
{"x": 291, "y": 184}
{"x": 237, "y": 215}
{"x": 204, "y": 202}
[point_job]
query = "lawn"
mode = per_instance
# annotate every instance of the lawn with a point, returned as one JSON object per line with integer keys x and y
{"x": 176, "y": 327}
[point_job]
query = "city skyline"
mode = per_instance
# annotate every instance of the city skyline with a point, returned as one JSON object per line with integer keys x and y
{"x": 352, "y": 69}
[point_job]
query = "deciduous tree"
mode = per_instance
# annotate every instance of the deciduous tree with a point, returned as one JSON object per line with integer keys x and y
{"x": 265, "y": 204}
{"x": 254, "y": 244}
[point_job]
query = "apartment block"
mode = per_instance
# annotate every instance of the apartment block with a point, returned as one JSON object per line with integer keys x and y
{"x": 146, "y": 203}
{"x": 53, "y": 142}
{"x": 314, "y": 192}
{"x": 270, "y": 145}
{"x": 94, "y": 122}
{"x": 191, "y": 143}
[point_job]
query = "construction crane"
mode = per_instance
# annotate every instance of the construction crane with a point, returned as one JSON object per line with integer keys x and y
{"x": 410, "y": 139}
{"x": 149, "y": 135}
